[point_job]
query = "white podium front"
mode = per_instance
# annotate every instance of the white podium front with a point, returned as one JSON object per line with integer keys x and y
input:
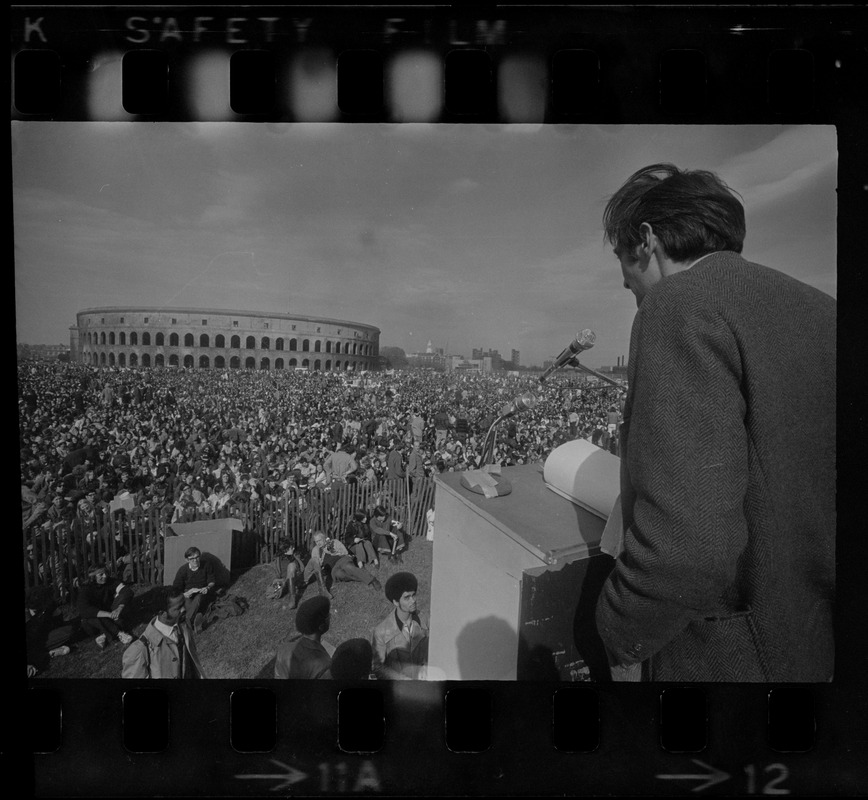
{"x": 509, "y": 575}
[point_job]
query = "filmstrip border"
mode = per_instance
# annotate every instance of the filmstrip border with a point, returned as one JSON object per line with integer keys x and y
{"x": 604, "y": 65}
{"x": 600, "y": 65}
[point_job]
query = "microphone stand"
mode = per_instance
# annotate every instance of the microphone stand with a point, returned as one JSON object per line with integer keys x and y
{"x": 574, "y": 362}
{"x": 488, "y": 446}
{"x": 504, "y": 487}
{"x": 489, "y": 443}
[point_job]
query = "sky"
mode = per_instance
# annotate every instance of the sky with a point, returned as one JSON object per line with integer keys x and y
{"x": 466, "y": 236}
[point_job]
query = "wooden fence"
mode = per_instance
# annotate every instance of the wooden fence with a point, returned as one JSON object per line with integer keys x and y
{"x": 131, "y": 543}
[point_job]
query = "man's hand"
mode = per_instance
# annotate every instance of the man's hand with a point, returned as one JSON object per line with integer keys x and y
{"x": 191, "y": 592}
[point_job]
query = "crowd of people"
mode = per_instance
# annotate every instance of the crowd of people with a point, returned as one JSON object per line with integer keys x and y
{"x": 199, "y": 438}
{"x": 94, "y": 442}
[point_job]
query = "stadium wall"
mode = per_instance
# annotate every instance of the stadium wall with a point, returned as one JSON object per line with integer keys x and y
{"x": 219, "y": 339}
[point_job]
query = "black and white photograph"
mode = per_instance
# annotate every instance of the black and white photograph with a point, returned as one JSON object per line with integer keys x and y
{"x": 427, "y": 402}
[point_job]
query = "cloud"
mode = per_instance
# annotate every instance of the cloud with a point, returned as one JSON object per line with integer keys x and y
{"x": 219, "y": 215}
{"x": 463, "y": 186}
{"x": 787, "y": 165}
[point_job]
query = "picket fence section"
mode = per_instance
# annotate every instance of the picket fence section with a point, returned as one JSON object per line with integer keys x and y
{"x": 131, "y": 544}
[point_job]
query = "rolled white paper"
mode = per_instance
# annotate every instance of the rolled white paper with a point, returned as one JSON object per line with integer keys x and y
{"x": 584, "y": 474}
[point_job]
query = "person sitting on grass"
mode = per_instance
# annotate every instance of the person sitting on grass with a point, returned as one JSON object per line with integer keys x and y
{"x": 357, "y": 538}
{"x": 46, "y": 637}
{"x": 291, "y": 569}
{"x": 334, "y": 560}
{"x": 196, "y": 579}
{"x": 305, "y": 656}
{"x": 388, "y": 537}
{"x": 103, "y": 606}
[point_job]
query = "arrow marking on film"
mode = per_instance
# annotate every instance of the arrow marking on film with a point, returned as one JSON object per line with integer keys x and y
{"x": 290, "y": 776}
{"x": 712, "y": 777}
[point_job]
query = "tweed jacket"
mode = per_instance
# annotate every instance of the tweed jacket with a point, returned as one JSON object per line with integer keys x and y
{"x": 728, "y": 481}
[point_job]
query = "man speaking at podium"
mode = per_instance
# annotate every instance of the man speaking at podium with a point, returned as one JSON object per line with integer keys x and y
{"x": 728, "y": 448}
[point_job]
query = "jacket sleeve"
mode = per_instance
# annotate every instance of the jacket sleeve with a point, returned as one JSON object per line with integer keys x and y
{"x": 684, "y": 477}
{"x": 179, "y": 582}
{"x": 88, "y": 603}
{"x": 380, "y": 656}
{"x": 135, "y": 661}
{"x": 378, "y": 645}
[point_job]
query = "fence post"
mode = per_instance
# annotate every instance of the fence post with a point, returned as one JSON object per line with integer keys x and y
{"x": 115, "y": 521}
{"x": 28, "y": 578}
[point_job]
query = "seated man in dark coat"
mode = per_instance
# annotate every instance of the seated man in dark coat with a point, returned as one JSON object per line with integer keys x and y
{"x": 103, "y": 605}
{"x": 197, "y": 580}
{"x": 357, "y": 539}
{"x": 47, "y": 637}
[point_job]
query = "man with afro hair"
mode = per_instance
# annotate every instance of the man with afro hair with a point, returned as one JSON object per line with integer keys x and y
{"x": 400, "y": 641}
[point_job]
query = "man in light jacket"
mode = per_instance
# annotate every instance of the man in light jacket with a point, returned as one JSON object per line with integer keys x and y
{"x": 166, "y": 649}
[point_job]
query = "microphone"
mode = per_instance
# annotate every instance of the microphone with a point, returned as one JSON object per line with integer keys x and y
{"x": 520, "y": 403}
{"x": 583, "y": 341}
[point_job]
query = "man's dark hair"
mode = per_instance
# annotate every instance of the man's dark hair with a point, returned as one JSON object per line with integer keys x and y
{"x": 170, "y": 593}
{"x": 39, "y": 598}
{"x": 352, "y": 660}
{"x": 94, "y": 571}
{"x": 192, "y": 551}
{"x": 692, "y": 212}
{"x": 399, "y": 583}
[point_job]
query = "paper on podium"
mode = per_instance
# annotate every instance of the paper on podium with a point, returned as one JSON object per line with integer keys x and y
{"x": 586, "y": 475}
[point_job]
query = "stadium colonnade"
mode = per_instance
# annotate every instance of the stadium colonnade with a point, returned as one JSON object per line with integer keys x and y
{"x": 205, "y": 338}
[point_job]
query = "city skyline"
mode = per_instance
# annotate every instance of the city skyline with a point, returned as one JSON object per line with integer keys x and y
{"x": 467, "y": 236}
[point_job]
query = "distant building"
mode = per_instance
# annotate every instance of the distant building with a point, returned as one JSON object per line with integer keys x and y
{"x": 462, "y": 364}
{"x": 47, "y": 352}
{"x": 618, "y": 371}
{"x": 478, "y": 354}
{"x": 210, "y": 338}
{"x": 516, "y": 359}
{"x": 427, "y": 360}
{"x": 432, "y": 358}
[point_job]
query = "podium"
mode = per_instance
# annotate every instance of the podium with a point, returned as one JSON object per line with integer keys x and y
{"x": 514, "y": 578}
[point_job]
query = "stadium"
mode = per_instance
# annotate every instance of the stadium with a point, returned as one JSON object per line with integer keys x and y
{"x": 127, "y": 336}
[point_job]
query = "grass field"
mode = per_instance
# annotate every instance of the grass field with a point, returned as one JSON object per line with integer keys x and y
{"x": 245, "y": 646}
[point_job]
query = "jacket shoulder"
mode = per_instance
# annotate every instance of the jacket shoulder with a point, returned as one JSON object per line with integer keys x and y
{"x": 135, "y": 660}
{"x": 386, "y": 627}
